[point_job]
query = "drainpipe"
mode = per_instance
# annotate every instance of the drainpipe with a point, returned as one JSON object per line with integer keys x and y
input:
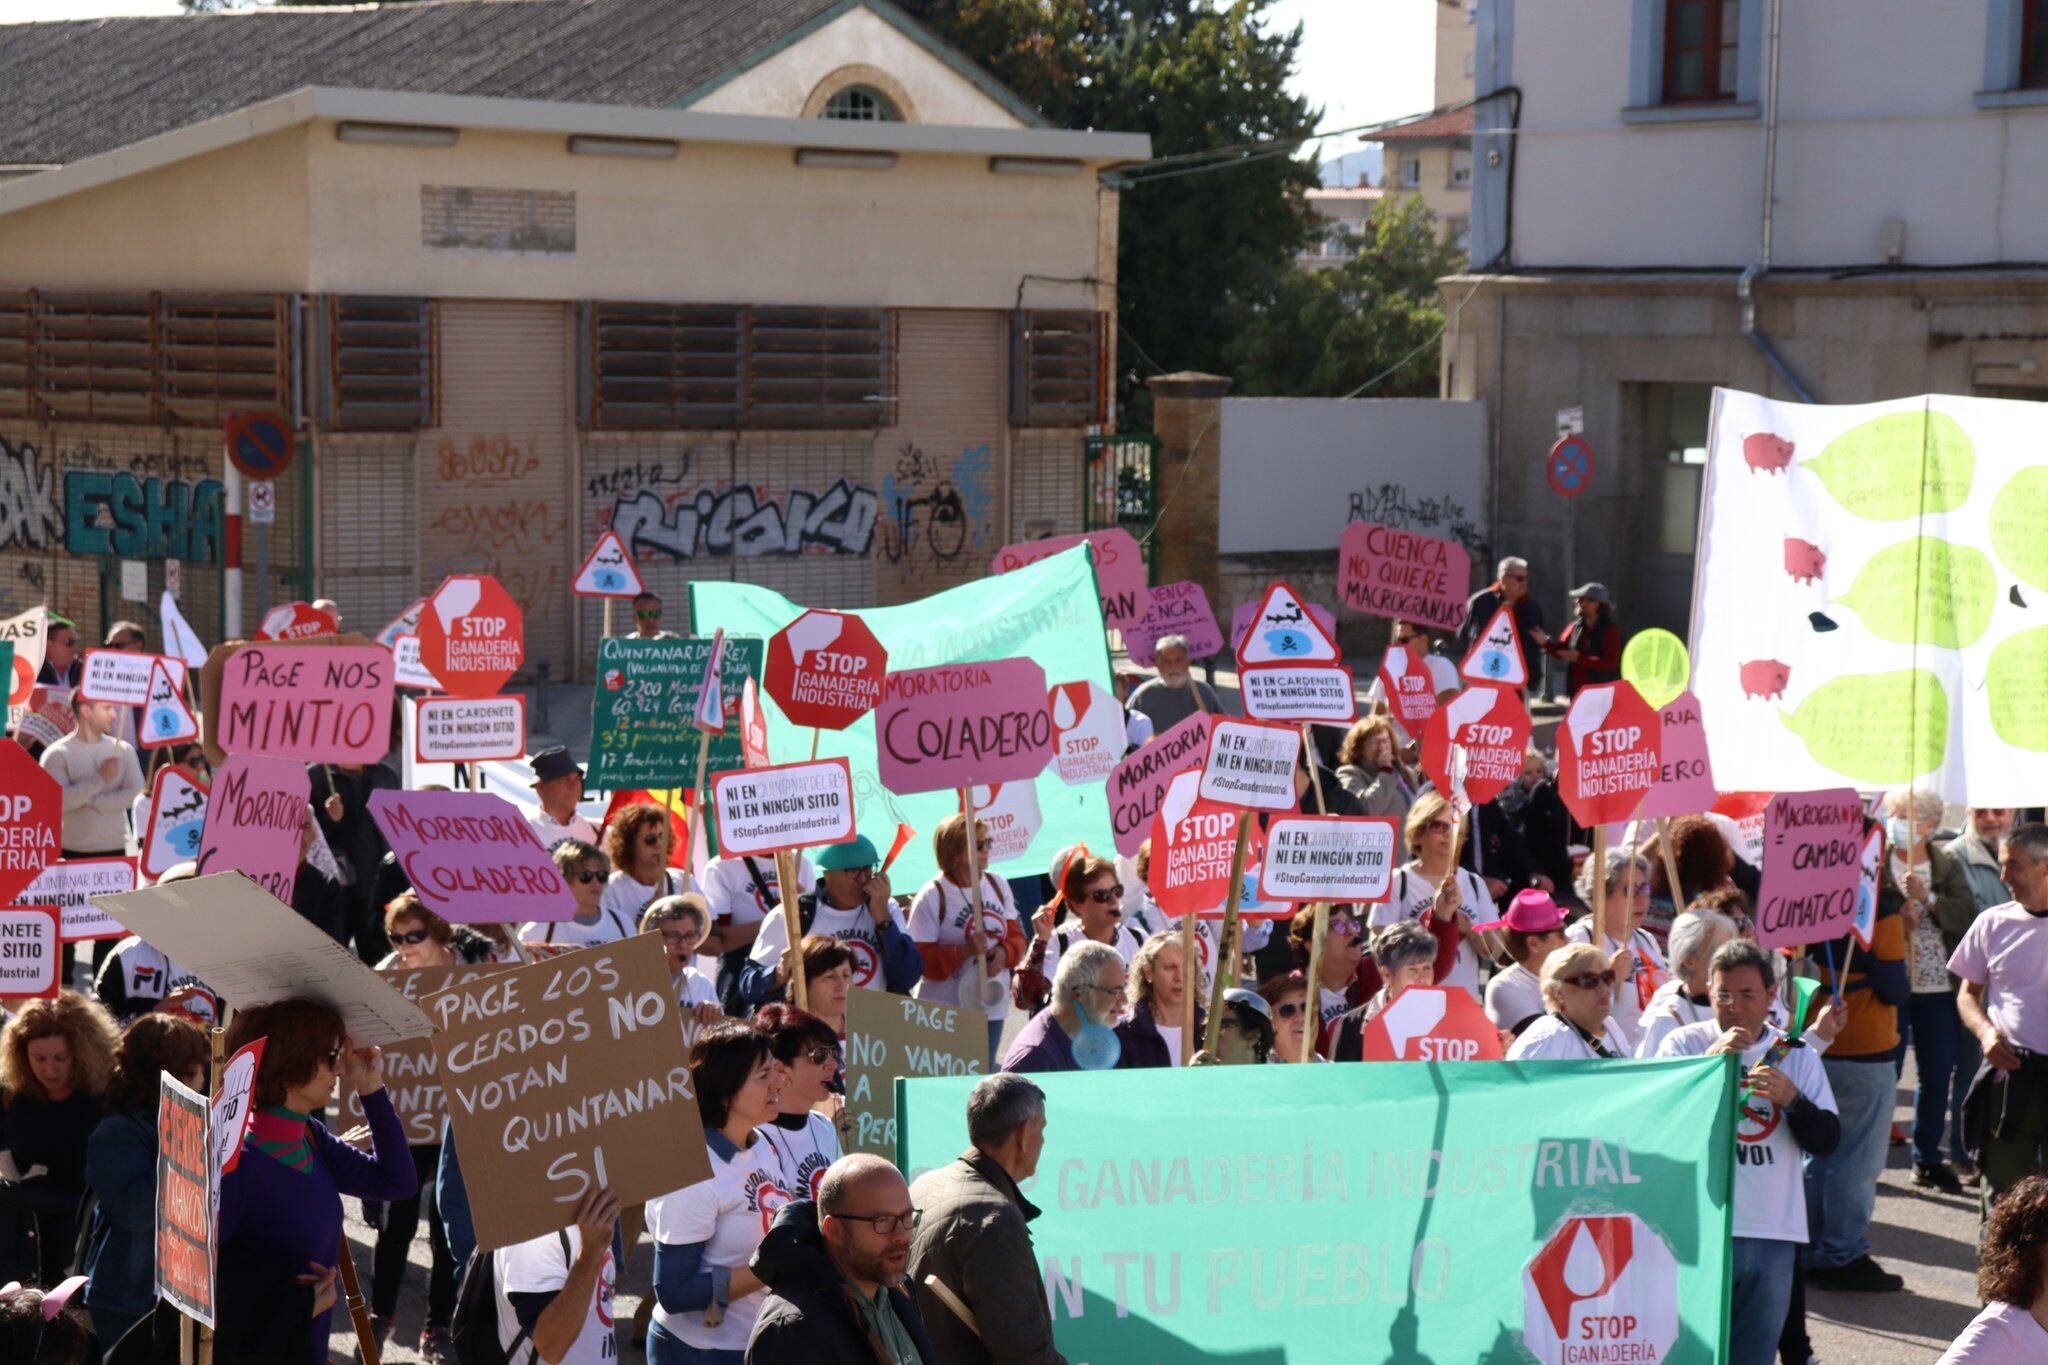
{"x": 1745, "y": 287}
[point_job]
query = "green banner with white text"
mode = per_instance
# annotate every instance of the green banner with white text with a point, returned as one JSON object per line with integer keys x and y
{"x": 1571, "y": 1213}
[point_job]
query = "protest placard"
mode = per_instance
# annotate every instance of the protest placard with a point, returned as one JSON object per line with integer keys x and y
{"x": 1496, "y": 656}
{"x": 472, "y": 635}
{"x": 1241, "y": 621}
{"x": 31, "y": 817}
{"x": 122, "y": 675}
{"x": 166, "y": 716}
{"x": 1330, "y": 858}
{"x": 1251, "y": 765}
{"x": 564, "y": 1076}
{"x": 1410, "y": 688}
{"x": 609, "y": 571}
{"x": 1869, "y": 874}
{"x": 471, "y": 856}
{"x": 1119, "y": 570}
{"x": 177, "y": 818}
{"x": 71, "y": 883}
{"x": 891, "y": 1036}
{"x": 1010, "y": 810}
{"x": 256, "y": 817}
{"x": 958, "y": 724}
{"x": 825, "y": 669}
{"x": 1194, "y": 842}
{"x": 469, "y": 729}
{"x": 1813, "y": 858}
{"x": 252, "y": 948}
{"x": 1489, "y": 726}
{"x": 412, "y": 1071}
{"x": 1608, "y": 753}
{"x": 1137, "y": 784}
{"x": 1282, "y": 630}
{"x": 1321, "y": 693}
{"x": 31, "y": 950}
{"x": 783, "y": 808}
{"x": 320, "y": 703}
{"x": 641, "y": 733}
{"x": 406, "y": 622}
{"x": 24, "y": 633}
{"x": 295, "y": 621}
{"x": 753, "y": 726}
{"x": 1685, "y": 775}
{"x": 1431, "y": 1024}
{"x": 406, "y": 668}
{"x": 1384, "y": 571}
{"x": 187, "y": 1216}
{"x": 1088, "y": 731}
{"x": 1175, "y": 609}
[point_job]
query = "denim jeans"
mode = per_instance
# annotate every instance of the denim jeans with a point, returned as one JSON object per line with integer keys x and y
{"x": 665, "y": 1348}
{"x": 1930, "y": 1023}
{"x": 1841, "y": 1187}
{"x": 1762, "y": 1292}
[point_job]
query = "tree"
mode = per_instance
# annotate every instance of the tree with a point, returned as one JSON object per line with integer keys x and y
{"x": 1322, "y": 333}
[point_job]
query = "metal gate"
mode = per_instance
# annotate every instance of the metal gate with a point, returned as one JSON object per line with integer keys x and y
{"x": 1121, "y": 487}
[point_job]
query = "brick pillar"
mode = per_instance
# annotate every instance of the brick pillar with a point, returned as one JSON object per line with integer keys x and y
{"x": 1187, "y": 415}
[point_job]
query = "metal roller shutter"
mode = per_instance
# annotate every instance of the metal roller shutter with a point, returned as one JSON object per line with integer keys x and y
{"x": 368, "y": 526}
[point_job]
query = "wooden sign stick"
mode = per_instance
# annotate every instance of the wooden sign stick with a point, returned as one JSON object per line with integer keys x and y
{"x": 980, "y": 1001}
{"x": 1600, "y": 887}
{"x": 1226, "y": 942}
{"x": 792, "y": 923}
{"x": 1313, "y": 1004}
{"x": 1678, "y": 901}
{"x": 607, "y": 618}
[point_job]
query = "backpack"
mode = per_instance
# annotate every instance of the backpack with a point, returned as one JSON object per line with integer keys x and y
{"x": 475, "y": 1327}
{"x": 731, "y": 964}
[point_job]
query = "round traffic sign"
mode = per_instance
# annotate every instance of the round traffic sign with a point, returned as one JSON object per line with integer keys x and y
{"x": 259, "y": 444}
{"x": 1569, "y": 467}
{"x": 825, "y": 669}
{"x": 472, "y": 635}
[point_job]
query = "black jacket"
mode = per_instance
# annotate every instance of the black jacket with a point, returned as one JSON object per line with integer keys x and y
{"x": 1496, "y": 849}
{"x": 810, "y": 1315}
{"x": 1546, "y": 829}
{"x": 1144, "y": 1045}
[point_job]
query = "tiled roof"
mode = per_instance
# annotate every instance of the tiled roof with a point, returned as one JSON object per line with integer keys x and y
{"x": 1456, "y": 123}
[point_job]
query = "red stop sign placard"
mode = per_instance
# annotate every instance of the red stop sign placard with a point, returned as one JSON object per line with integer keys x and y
{"x": 295, "y": 621}
{"x": 825, "y": 669}
{"x": 1193, "y": 842}
{"x": 1431, "y": 1024}
{"x": 1492, "y": 726}
{"x": 31, "y": 818}
{"x": 472, "y": 635}
{"x": 1609, "y": 752}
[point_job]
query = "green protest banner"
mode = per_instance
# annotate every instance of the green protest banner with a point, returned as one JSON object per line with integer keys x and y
{"x": 640, "y": 731}
{"x": 1573, "y": 1213}
{"x": 1048, "y": 612}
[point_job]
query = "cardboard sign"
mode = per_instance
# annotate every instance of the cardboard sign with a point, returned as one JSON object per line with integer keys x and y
{"x": 472, "y": 635}
{"x": 232, "y": 1110}
{"x": 252, "y": 948}
{"x": 1321, "y": 693}
{"x": 1175, "y": 609}
{"x": 69, "y": 885}
{"x": 406, "y": 668}
{"x": 1864, "y": 927}
{"x": 1743, "y": 813}
{"x": 472, "y": 857}
{"x": 641, "y": 734}
{"x": 315, "y": 704}
{"x": 1431, "y": 1024}
{"x": 1609, "y": 751}
{"x": 49, "y": 717}
{"x": 412, "y": 1072}
{"x": 31, "y": 951}
{"x": 785, "y": 807}
{"x": 295, "y": 621}
{"x": 1489, "y": 727}
{"x": 564, "y": 1076}
{"x": 825, "y": 669}
{"x": 1282, "y": 631}
{"x": 1411, "y": 691}
{"x": 1194, "y": 841}
{"x": 959, "y": 724}
{"x": 470, "y": 729}
{"x": 1383, "y": 571}
{"x": 1241, "y": 621}
{"x": 707, "y": 713}
{"x": 187, "y": 1213}
{"x": 1813, "y": 860}
{"x": 609, "y": 571}
{"x": 122, "y": 675}
{"x": 1330, "y": 858}
{"x": 406, "y": 622}
{"x": 1011, "y": 812}
{"x": 753, "y": 726}
{"x": 891, "y": 1038}
{"x": 177, "y": 819}
{"x": 1496, "y": 656}
{"x": 255, "y": 820}
{"x": 1250, "y": 765}
{"x": 31, "y": 819}
{"x": 1088, "y": 731}
{"x": 25, "y": 633}
{"x": 1119, "y": 570}
{"x": 1139, "y": 783}
{"x": 1685, "y": 776}
{"x": 166, "y": 716}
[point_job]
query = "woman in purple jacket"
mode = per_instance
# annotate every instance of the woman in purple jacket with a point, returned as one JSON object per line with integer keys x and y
{"x": 283, "y": 1199}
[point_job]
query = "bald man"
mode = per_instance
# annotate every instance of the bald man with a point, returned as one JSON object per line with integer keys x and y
{"x": 834, "y": 1271}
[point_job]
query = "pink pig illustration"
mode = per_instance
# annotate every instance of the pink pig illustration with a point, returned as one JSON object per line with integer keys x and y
{"x": 1765, "y": 678}
{"x": 1804, "y": 561}
{"x": 1766, "y": 452}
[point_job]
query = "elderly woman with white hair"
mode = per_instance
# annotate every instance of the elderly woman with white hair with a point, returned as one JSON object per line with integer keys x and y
{"x": 1156, "y": 992}
{"x": 1089, "y": 989}
{"x": 1577, "y": 985}
{"x": 1695, "y": 935}
{"x": 1631, "y": 950}
{"x": 1405, "y": 953}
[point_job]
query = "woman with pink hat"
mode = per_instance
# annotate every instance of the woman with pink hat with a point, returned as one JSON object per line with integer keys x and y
{"x": 1532, "y": 929}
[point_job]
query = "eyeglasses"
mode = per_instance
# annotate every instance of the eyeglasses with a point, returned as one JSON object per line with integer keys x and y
{"x": 334, "y": 1056}
{"x": 1106, "y": 895}
{"x": 1344, "y": 928}
{"x": 1591, "y": 981}
{"x": 412, "y": 936}
{"x": 1738, "y": 997}
{"x": 647, "y": 615}
{"x": 820, "y": 1054}
{"x": 984, "y": 845}
{"x": 1438, "y": 827}
{"x": 884, "y": 1223}
{"x": 1515, "y": 577}
{"x": 653, "y": 838}
{"x": 1289, "y": 1011}
{"x": 589, "y": 877}
{"x": 127, "y": 644}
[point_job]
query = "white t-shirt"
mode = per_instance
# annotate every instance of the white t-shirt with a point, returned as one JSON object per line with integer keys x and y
{"x": 1172, "y": 1037}
{"x": 2003, "y": 1334}
{"x": 939, "y": 915}
{"x": 1770, "y": 1180}
{"x": 1670, "y": 1008}
{"x": 609, "y": 927}
{"x": 1148, "y": 919}
{"x": 801, "y": 1154}
{"x": 537, "y": 1267}
{"x": 729, "y": 1213}
{"x": 1334, "y": 1004}
{"x": 1125, "y": 940}
{"x": 730, "y": 891}
{"x": 1514, "y": 995}
{"x": 624, "y": 898}
{"x": 1414, "y": 894}
{"x": 693, "y": 988}
{"x": 1635, "y": 994}
{"x": 1551, "y": 1039}
{"x": 551, "y": 832}
{"x": 855, "y": 928}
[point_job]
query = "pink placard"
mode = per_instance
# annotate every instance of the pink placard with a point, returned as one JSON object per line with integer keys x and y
{"x": 1119, "y": 570}
{"x": 1177, "y": 609}
{"x": 959, "y": 725}
{"x": 1384, "y": 571}
{"x": 1138, "y": 784}
{"x": 256, "y": 815}
{"x": 1241, "y": 620}
{"x": 471, "y": 856}
{"x": 313, "y": 703}
{"x": 1813, "y": 859}
{"x": 1685, "y": 779}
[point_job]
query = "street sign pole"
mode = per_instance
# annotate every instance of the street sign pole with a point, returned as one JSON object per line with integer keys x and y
{"x": 261, "y": 530}
{"x": 231, "y": 573}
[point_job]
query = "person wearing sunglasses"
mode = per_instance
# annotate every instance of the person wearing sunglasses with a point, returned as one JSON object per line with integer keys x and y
{"x": 682, "y": 921}
{"x": 1430, "y": 889}
{"x": 953, "y": 925}
{"x": 835, "y": 1274}
{"x": 1348, "y": 975}
{"x": 851, "y": 901}
{"x": 421, "y": 938}
{"x": 640, "y": 841}
{"x": 588, "y": 872}
{"x": 1286, "y": 997}
{"x": 1578, "y": 985}
{"x": 802, "y": 1140}
{"x": 1632, "y": 951}
{"x": 647, "y": 619}
{"x": 1510, "y": 588}
{"x": 1088, "y": 886}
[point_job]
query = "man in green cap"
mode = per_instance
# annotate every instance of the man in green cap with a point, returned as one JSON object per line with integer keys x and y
{"x": 851, "y": 903}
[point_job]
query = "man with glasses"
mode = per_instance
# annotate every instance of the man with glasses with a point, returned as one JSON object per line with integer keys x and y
{"x": 1089, "y": 989}
{"x": 851, "y": 903}
{"x": 647, "y": 619}
{"x": 1510, "y": 588}
{"x": 1787, "y": 1114}
{"x": 62, "y": 666}
{"x": 834, "y": 1271}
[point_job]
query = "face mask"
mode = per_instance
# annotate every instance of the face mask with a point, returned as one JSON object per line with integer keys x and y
{"x": 1900, "y": 832}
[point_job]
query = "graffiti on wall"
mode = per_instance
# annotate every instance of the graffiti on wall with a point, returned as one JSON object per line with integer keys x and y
{"x": 1390, "y": 504}
{"x": 503, "y": 517}
{"x": 745, "y": 520}
{"x": 147, "y": 506}
{"x": 937, "y": 514}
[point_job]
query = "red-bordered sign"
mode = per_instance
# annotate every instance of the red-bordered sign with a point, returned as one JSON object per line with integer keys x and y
{"x": 1569, "y": 466}
{"x": 825, "y": 669}
{"x": 259, "y": 444}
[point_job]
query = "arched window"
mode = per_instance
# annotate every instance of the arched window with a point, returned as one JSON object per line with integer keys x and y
{"x": 863, "y": 104}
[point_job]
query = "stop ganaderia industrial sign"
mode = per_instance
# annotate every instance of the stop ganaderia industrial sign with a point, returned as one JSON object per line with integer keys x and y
{"x": 1603, "y": 1290}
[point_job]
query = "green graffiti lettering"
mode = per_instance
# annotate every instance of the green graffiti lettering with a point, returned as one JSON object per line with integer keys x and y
{"x": 2019, "y": 533}
{"x": 1896, "y": 467}
{"x": 2017, "y": 684}
{"x": 1876, "y": 728}
{"x": 1925, "y": 591}
{"x": 148, "y": 518}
